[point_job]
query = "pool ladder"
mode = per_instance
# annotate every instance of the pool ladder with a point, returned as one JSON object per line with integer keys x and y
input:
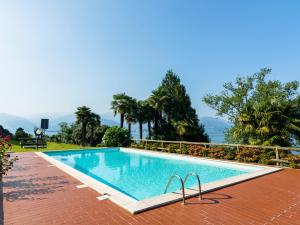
{"x": 182, "y": 183}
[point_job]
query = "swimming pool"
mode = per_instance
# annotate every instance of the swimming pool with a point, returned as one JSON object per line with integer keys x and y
{"x": 143, "y": 175}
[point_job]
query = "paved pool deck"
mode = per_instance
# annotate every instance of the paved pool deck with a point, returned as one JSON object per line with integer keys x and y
{"x": 35, "y": 192}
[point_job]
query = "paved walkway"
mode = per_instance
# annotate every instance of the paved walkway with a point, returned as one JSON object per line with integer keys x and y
{"x": 35, "y": 193}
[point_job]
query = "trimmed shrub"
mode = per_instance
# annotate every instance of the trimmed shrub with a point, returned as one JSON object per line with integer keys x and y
{"x": 248, "y": 155}
{"x": 154, "y": 146}
{"x": 243, "y": 154}
{"x": 294, "y": 161}
{"x": 148, "y": 146}
{"x": 100, "y": 145}
{"x": 197, "y": 150}
{"x": 116, "y": 137}
{"x": 173, "y": 148}
{"x": 266, "y": 155}
{"x": 218, "y": 153}
{"x": 230, "y": 153}
{"x": 184, "y": 149}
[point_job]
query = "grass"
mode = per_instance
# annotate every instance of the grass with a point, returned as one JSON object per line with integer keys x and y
{"x": 50, "y": 146}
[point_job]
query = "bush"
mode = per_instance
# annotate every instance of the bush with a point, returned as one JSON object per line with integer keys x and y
{"x": 137, "y": 145}
{"x": 173, "y": 148}
{"x": 218, "y": 153}
{"x": 20, "y": 133}
{"x": 116, "y": 137}
{"x": 294, "y": 161}
{"x": 266, "y": 155}
{"x": 6, "y": 161}
{"x": 248, "y": 155}
{"x": 154, "y": 146}
{"x": 197, "y": 150}
{"x": 184, "y": 149}
{"x": 148, "y": 146}
{"x": 230, "y": 153}
{"x": 101, "y": 145}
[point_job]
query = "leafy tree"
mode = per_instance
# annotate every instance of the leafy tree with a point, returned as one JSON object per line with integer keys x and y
{"x": 121, "y": 105}
{"x": 76, "y": 133}
{"x": 262, "y": 112}
{"x": 20, "y": 133}
{"x": 83, "y": 116}
{"x": 65, "y": 133}
{"x": 4, "y": 132}
{"x": 99, "y": 133}
{"x": 73, "y": 134}
{"x": 116, "y": 137}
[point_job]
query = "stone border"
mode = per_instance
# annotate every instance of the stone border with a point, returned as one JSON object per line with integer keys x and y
{"x": 134, "y": 206}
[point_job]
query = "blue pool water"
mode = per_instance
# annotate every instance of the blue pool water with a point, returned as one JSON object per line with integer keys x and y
{"x": 142, "y": 175}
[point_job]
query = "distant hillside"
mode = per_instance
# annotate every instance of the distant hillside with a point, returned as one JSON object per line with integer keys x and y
{"x": 54, "y": 120}
{"x": 214, "y": 126}
{"x": 12, "y": 123}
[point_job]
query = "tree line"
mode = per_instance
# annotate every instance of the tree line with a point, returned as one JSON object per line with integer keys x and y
{"x": 261, "y": 111}
{"x": 167, "y": 112}
{"x": 87, "y": 129}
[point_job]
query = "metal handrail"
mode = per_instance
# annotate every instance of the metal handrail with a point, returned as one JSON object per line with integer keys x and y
{"x": 198, "y": 179}
{"x": 182, "y": 186}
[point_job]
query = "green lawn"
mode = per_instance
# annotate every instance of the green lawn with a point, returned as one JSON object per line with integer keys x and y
{"x": 50, "y": 146}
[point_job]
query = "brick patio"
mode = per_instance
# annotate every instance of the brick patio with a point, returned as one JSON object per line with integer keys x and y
{"x": 34, "y": 193}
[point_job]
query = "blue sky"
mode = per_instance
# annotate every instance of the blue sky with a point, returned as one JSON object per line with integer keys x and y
{"x": 57, "y": 55}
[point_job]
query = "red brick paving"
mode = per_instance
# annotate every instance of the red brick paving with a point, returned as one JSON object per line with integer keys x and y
{"x": 34, "y": 193}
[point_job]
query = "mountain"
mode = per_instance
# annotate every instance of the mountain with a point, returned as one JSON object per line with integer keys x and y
{"x": 214, "y": 127}
{"x": 56, "y": 118}
{"x": 12, "y": 122}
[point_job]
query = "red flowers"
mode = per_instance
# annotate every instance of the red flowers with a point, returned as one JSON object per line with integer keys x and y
{"x": 7, "y": 138}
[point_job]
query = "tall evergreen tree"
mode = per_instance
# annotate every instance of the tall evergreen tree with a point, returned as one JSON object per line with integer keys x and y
{"x": 173, "y": 105}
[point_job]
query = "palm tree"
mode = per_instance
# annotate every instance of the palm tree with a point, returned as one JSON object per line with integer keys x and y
{"x": 83, "y": 116}
{"x": 130, "y": 114}
{"x": 94, "y": 121}
{"x": 120, "y": 104}
{"x": 180, "y": 127}
{"x": 149, "y": 116}
{"x": 140, "y": 115}
{"x": 157, "y": 101}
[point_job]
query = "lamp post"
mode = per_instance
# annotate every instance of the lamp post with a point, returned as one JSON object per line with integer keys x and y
{"x": 38, "y": 132}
